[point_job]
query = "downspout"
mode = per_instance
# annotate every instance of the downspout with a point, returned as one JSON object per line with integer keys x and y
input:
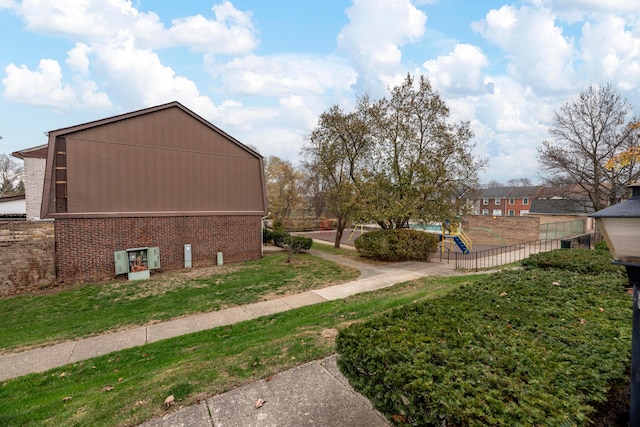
{"x": 262, "y": 233}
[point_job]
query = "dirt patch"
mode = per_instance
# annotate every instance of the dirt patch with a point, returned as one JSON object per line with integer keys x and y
{"x": 164, "y": 282}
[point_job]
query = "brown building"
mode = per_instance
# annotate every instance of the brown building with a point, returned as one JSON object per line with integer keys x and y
{"x": 161, "y": 177}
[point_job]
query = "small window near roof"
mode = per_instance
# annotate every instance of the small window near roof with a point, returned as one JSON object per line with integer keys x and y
{"x": 497, "y": 201}
{"x": 512, "y": 201}
{"x": 525, "y": 201}
{"x": 485, "y": 201}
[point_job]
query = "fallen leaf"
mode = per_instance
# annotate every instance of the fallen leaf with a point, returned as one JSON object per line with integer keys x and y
{"x": 269, "y": 378}
{"x": 583, "y": 321}
{"x": 601, "y": 309}
{"x": 169, "y": 401}
{"x": 63, "y": 375}
{"x": 120, "y": 379}
{"x": 556, "y": 283}
{"x": 66, "y": 399}
{"x": 107, "y": 388}
{"x": 260, "y": 402}
{"x": 503, "y": 294}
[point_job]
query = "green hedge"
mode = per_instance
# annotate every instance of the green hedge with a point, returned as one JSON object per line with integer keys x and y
{"x": 397, "y": 245}
{"x": 529, "y": 347}
{"x": 577, "y": 260}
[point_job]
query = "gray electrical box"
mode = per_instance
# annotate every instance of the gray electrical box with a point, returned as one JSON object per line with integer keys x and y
{"x": 136, "y": 262}
{"x": 187, "y": 256}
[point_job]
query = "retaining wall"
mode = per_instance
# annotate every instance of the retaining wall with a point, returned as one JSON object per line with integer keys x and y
{"x": 26, "y": 256}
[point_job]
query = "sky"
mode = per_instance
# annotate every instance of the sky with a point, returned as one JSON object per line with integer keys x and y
{"x": 264, "y": 71}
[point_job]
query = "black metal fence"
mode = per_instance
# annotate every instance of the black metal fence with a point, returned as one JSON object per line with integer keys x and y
{"x": 513, "y": 253}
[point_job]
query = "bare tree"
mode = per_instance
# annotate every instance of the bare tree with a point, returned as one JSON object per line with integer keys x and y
{"x": 11, "y": 183}
{"x": 519, "y": 182}
{"x": 283, "y": 186}
{"x": 336, "y": 152}
{"x": 587, "y": 132}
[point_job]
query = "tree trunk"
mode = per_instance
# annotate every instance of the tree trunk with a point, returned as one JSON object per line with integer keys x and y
{"x": 340, "y": 226}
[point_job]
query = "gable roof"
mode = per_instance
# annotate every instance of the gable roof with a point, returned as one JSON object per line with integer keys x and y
{"x": 528, "y": 191}
{"x": 560, "y": 207}
{"x": 162, "y": 160}
{"x": 39, "y": 152}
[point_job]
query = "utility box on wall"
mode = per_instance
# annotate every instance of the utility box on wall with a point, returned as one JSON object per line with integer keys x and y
{"x": 137, "y": 262}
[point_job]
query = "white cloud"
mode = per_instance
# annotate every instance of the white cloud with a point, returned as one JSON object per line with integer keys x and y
{"x": 43, "y": 87}
{"x": 77, "y": 18}
{"x": 78, "y": 58}
{"x": 230, "y": 33}
{"x": 375, "y": 32}
{"x": 577, "y": 10}
{"x": 617, "y": 60}
{"x": 137, "y": 76}
{"x": 282, "y": 75}
{"x": 8, "y": 4}
{"x": 47, "y": 86}
{"x": 539, "y": 54}
{"x": 460, "y": 71}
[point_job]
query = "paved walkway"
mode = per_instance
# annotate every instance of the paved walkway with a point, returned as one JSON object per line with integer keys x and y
{"x": 301, "y": 392}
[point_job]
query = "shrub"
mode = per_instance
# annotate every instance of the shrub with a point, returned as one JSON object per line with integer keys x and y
{"x": 299, "y": 243}
{"x": 397, "y": 245}
{"x": 601, "y": 246}
{"x": 283, "y": 239}
{"x": 279, "y": 238}
{"x": 583, "y": 261}
{"x": 531, "y": 347}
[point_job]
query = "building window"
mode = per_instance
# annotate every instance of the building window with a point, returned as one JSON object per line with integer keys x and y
{"x": 497, "y": 212}
{"x": 485, "y": 212}
{"x": 525, "y": 201}
{"x": 512, "y": 201}
{"x": 485, "y": 201}
{"x": 512, "y": 212}
{"x": 497, "y": 201}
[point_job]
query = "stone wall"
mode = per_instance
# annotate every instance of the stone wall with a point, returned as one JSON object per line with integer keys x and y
{"x": 26, "y": 256}
{"x": 497, "y": 230}
{"x": 85, "y": 246}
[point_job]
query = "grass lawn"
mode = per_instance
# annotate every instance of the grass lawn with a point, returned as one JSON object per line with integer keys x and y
{"x": 91, "y": 309}
{"x": 129, "y": 386}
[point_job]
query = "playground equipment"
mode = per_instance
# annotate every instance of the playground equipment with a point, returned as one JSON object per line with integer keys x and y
{"x": 356, "y": 229}
{"x": 455, "y": 235}
{"x": 448, "y": 233}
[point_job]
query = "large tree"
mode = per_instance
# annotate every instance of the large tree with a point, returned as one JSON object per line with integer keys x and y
{"x": 11, "y": 183}
{"x": 394, "y": 159}
{"x": 587, "y": 132}
{"x": 422, "y": 167}
{"x": 336, "y": 152}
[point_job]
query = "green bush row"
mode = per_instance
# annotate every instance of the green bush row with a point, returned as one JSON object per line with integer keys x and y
{"x": 529, "y": 347}
{"x": 577, "y": 260}
{"x": 397, "y": 245}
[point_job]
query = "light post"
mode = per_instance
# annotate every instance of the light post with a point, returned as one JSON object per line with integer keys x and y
{"x": 620, "y": 226}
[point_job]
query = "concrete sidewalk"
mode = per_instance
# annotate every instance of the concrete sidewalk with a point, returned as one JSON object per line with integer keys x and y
{"x": 313, "y": 394}
{"x": 299, "y": 395}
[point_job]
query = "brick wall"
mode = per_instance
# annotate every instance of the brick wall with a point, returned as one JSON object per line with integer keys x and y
{"x": 26, "y": 256}
{"x": 85, "y": 247}
{"x": 510, "y": 229}
{"x": 34, "y": 169}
